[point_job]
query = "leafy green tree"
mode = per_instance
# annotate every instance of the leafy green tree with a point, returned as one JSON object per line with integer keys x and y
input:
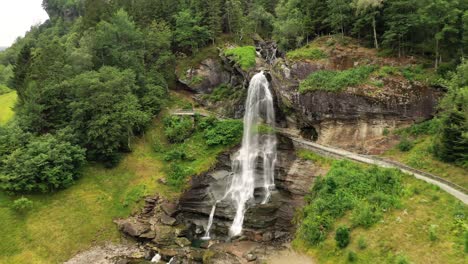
{"x": 119, "y": 43}
{"x": 369, "y": 8}
{"x": 440, "y": 18}
{"x": 289, "y": 26}
{"x": 20, "y": 71}
{"x": 339, "y": 15}
{"x": 159, "y": 59}
{"x": 188, "y": 33}
{"x": 104, "y": 112}
{"x": 213, "y": 18}
{"x": 452, "y": 140}
{"x": 261, "y": 20}
{"x": 234, "y": 17}
{"x": 6, "y": 73}
{"x": 401, "y": 21}
{"x": 44, "y": 164}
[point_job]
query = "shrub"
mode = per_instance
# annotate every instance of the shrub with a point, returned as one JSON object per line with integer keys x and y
{"x": 364, "y": 216}
{"x": 433, "y": 232}
{"x": 401, "y": 259}
{"x": 134, "y": 195}
{"x": 306, "y": 53}
{"x": 335, "y": 81}
{"x": 244, "y": 56}
{"x": 179, "y": 153}
{"x": 226, "y": 132}
{"x": 405, "y": 144}
{"x": 4, "y": 89}
{"x": 22, "y": 205}
{"x": 177, "y": 175}
{"x": 466, "y": 241}
{"x": 352, "y": 256}
{"x": 362, "y": 243}
{"x": 178, "y": 128}
{"x": 44, "y": 164}
{"x": 342, "y": 236}
{"x": 424, "y": 128}
{"x": 206, "y": 122}
{"x": 338, "y": 192}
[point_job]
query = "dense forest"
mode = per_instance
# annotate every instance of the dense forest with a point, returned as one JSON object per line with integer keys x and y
{"x": 91, "y": 77}
{"x": 97, "y": 75}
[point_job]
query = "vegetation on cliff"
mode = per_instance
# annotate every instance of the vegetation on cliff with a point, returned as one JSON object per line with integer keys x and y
{"x": 244, "y": 56}
{"x": 405, "y": 225}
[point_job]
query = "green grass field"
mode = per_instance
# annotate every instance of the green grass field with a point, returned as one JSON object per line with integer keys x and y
{"x": 69, "y": 221}
{"x": 420, "y": 157}
{"x": 428, "y": 227}
{"x": 7, "y": 101}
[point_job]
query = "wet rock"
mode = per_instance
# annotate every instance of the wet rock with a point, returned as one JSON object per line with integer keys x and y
{"x": 250, "y": 257}
{"x": 167, "y": 220}
{"x": 267, "y": 236}
{"x": 169, "y": 208}
{"x": 165, "y": 235}
{"x": 182, "y": 242}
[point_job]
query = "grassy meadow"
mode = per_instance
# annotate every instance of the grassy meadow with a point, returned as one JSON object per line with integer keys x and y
{"x": 72, "y": 220}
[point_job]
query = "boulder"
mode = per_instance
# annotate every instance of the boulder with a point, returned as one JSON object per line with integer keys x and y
{"x": 133, "y": 226}
{"x": 165, "y": 235}
{"x": 167, "y": 220}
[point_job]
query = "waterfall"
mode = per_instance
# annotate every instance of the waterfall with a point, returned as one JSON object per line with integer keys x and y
{"x": 258, "y": 142}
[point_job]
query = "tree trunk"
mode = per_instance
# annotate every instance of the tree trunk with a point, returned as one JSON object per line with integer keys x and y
{"x": 376, "y": 43}
{"x": 436, "y": 65}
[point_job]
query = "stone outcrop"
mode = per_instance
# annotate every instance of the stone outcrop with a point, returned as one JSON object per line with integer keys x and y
{"x": 263, "y": 222}
{"x": 355, "y": 119}
{"x": 202, "y": 79}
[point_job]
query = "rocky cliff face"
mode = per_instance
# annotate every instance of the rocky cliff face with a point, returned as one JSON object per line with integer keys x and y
{"x": 356, "y": 118}
{"x": 263, "y": 222}
{"x": 173, "y": 229}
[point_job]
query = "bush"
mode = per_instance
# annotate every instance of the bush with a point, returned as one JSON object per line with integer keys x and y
{"x": 335, "y": 81}
{"x": 22, "y": 205}
{"x": 342, "y": 236}
{"x": 401, "y": 259}
{"x": 226, "y": 132}
{"x": 177, "y": 175}
{"x": 307, "y": 54}
{"x": 178, "y": 128}
{"x": 352, "y": 256}
{"x": 405, "y": 144}
{"x": 362, "y": 243}
{"x": 338, "y": 192}
{"x": 466, "y": 241}
{"x": 364, "y": 216}
{"x": 244, "y": 56}
{"x": 179, "y": 153}
{"x": 433, "y": 233}
{"x": 44, "y": 164}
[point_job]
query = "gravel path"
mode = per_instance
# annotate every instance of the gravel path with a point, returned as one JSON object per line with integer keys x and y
{"x": 457, "y": 191}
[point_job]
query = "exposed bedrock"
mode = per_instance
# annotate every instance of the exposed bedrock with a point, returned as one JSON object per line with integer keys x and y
{"x": 263, "y": 222}
{"x": 355, "y": 118}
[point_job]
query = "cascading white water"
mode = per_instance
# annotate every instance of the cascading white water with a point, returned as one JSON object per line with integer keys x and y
{"x": 258, "y": 142}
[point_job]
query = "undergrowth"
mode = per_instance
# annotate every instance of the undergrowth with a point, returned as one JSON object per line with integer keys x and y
{"x": 306, "y": 53}
{"x": 244, "y": 56}
{"x": 365, "y": 192}
{"x": 335, "y": 81}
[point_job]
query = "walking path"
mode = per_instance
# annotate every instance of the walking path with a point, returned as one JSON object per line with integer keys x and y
{"x": 451, "y": 188}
